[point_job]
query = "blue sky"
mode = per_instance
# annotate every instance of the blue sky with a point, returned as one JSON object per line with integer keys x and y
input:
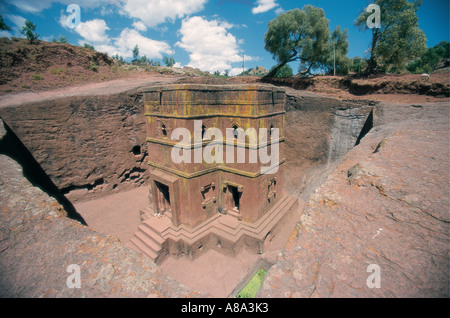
{"x": 207, "y": 34}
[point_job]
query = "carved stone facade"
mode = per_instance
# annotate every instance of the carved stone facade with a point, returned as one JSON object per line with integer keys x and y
{"x": 240, "y": 182}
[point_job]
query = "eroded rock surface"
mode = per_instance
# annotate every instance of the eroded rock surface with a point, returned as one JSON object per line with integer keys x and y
{"x": 38, "y": 243}
{"x": 386, "y": 204}
{"x": 319, "y": 131}
{"x": 89, "y": 140}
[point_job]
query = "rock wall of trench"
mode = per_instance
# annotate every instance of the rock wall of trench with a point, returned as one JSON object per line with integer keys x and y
{"x": 94, "y": 145}
{"x": 88, "y": 145}
{"x": 319, "y": 132}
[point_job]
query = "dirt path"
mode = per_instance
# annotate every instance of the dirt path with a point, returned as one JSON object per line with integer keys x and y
{"x": 103, "y": 88}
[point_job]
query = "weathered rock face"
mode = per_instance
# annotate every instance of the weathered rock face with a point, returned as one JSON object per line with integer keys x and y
{"x": 319, "y": 132}
{"x": 94, "y": 144}
{"x": 386, "y": 204}
{"x": 86, "y": 144}
{"x": 38, "y": 242}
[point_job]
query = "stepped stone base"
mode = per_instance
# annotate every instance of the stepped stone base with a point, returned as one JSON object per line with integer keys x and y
{"x": 157, "y": 236}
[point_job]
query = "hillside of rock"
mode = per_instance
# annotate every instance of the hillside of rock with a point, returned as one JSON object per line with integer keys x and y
{"x": 385, "y": 205}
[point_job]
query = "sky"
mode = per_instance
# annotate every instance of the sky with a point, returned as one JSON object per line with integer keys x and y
{"x": 212, "y": 35}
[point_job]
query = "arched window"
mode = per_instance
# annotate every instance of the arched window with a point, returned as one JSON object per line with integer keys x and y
{"x": 271, "y": 129}
{"x": 163, "y": 130}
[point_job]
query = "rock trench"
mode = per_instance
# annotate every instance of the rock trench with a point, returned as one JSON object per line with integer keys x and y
{"x": 91, "y": 145}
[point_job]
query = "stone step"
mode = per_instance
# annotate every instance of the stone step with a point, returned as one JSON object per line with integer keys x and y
{"x": 147, "y": 210}
{"x": 148, "y": 241}
{"x": 269, "y": 223}
{"x": 271, "y": 215}
{"x": 229, "y": 221}
{"x": 144, "y": 248}
{"x": 260, "y": 228}
{"x": 151, "y": 233}
{"x": 145, "y": 214}
{"x": 158, "y": 223}
{"x": 155, "y": 230}
{"x": 190, "y": 235}
{"x": 226, "y": 228}
{"x": 234, "y": 214}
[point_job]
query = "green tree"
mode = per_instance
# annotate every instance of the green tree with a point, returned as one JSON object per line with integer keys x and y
{"x": 398, "y": 40}
{"x": 88, "y": 46}
{"x": 285, "y": 71}
{"x": 169, "y": 61}
{"x": 118, "y": 58}
{"x": 3, "y": 25}
{"x": 143, "y": 60}
{"x": 61, "y": 39}
{"x": 430, "y": 59}
{"x": 28, "y": 31}
{"x": 337, "y": 53}
{"x": 298, "y": 35}
{"x": 357, "y": 64}
{"x": 135, "y": 52}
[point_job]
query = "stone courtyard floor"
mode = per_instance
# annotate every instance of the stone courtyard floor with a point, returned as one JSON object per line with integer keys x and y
{"x": 212, "y": 272}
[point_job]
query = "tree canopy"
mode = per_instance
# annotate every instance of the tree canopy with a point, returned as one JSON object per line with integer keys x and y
{"x": 135, "y": 52}
{"x": 60, "y": 39}
{"x": 337, "y": 53}
{"x": 399, "y": 38}
{"x": 88, "y": 46}
{"x": 285, "y": 71}
{"x": 28, "y": 31}
{"x": 429, "y": 61}
{"x": 3, "y": 25}
{"x": 298, "y": 35}
{"x": 169, "y": 61}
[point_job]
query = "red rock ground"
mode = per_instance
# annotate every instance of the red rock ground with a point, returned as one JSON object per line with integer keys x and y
{"x": 386, "y": 204}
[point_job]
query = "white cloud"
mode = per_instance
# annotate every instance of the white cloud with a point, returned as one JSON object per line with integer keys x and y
{"x": 31, "y": 6}
{"x": 235, "y": 71}
{"x": 128, "y": 38}
{"x": 34, "y": 6}
{"x": 140, "y": 26}
{"x": 63, "y": 19}
{"x": 264, "y": 6}
{"x": 211, "y": 47}
{"x": 48, "y": 38}
{"x": 279, "y": 11}
{"x": 18, "y": 21}
{"x": 93, "y": 31}
{"x": 154, "y": 12}
{"x": 4, "y": 33}
{"x": 126, "y": 41}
